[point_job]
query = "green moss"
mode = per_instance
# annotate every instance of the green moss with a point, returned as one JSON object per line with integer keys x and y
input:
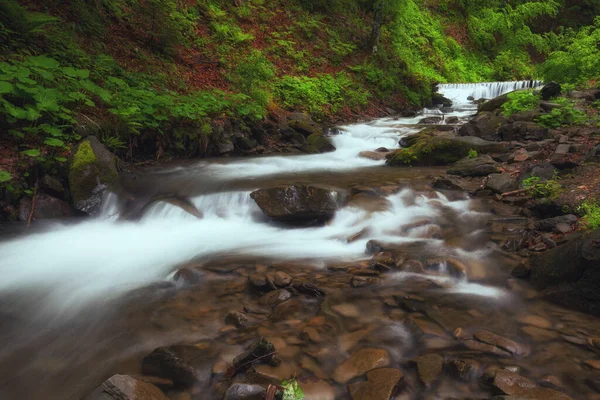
{"x": 428, "y": 149}
{"x": 84, "y": 156}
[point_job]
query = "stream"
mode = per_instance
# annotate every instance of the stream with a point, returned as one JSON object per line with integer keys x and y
{"x": 81, "y": 301}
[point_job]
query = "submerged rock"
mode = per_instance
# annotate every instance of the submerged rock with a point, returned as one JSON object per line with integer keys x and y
{"x": 296, "y": 204}
{"x": 380, "y": 385}
{"x": 429, "y": 368}
{"x": 183, "y": 364}
{"x": 512, "y": 384}
{"x": 92, "y": 170}
{"x": 123, "y": 387}
{"x": 361, "y": 361}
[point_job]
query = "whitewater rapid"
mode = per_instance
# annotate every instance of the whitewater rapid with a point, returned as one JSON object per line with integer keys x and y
{"x": 71, "y": 265}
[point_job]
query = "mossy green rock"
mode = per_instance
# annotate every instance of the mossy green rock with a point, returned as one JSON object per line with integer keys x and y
{"x": 92, "y": 169}
{"x": 320, "y": 142}
{"x": 439, "y": 148}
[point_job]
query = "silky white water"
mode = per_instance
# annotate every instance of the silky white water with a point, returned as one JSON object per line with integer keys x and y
{"x": 460, "y": 92}
{"x": 74, "y": 265}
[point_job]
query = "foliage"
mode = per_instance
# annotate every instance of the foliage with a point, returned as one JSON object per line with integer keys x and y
{"x": 472, "y": 154}
{"x": 291, "y": 390}
{"x": 37, "y": 97}
{"x": 542, "y": 188}
{"x": 565, "y": 115}
{"x": 5, "y": 176}
{"x": 252, "y": 76}
{"x": 519, "y": 101}
{"x": 578, "y": 58}
{"x": 590, "y": 211}
{"x": 321, "y": 94}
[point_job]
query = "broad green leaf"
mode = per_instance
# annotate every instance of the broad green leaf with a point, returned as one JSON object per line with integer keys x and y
{"x": 76, "y": 73}
{"x": 31, "y": 152}
{"x": 5, "y": 87}
{"x": 5, "y": 176}
{"x": 43, "y": 61}
{"x": 52, "y": 130}
{"x": 16, "y": 133}
{"x": 54, "y": 142}
{"x": 60, "y": 159}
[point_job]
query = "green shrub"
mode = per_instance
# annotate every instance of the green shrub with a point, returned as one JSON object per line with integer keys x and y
{"x": 253, "y": 76}
{"x": 542, "y": 188}
{"x": 522, "y": 100}
{"x": 291, "y": 390}
{"x": 590, "y": 211}
{"x": 565, "y": 115}
{"x": 472, "y": 154}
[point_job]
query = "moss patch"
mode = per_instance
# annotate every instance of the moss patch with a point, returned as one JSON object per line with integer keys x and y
{"x": 428, "y": 149}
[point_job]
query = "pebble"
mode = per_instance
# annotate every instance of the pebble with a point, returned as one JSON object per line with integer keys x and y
{"x": 429, "y": 368}
{"x": 361, "y": 361}
{"x": 380, "y": 385}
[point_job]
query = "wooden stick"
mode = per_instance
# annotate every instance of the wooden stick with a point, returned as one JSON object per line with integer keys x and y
{"x": 32, "y": 203}
{"x": 514, "y": 192}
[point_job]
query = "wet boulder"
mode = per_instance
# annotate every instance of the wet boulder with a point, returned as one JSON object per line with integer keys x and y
{"x": 484, "y": 125}
{"x": 493, "y": 104}
{"x": 432, "y": 147}
{"x": 380, "y": 385}
{"x": 481, "y": 165}
{"x": 296, "y": 204}
{"x": 570, "y": 274}
{"x": 523, "y": 130}
{"x": 550, "y": 90}
{"x": 512, "y": 384}
{"x": 303, "y": 124}
{"x": 431, "y": 120}
{"x": 361, "y": 361}
{"x": 438, "y": 99}
{"x": 243, "y": 391}
{"x": 183, "y": 364}
{"x": 46, "y": 207}
{"x": 123, "y": 387}
{"x": 320, "y": 143}
{"x": 91, "y": 171}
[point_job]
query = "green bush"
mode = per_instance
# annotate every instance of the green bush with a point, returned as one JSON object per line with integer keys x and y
{"x": 565, "y": 115}
{"x": 472, "y": 154}
{"x": 522, "y": 100}
{"x": 253, "y": 76}
{"x": 540, "y": 189}
{"x": 590, "y": 211}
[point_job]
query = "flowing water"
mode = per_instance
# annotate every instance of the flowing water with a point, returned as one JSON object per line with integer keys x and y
{"x": 82, "y": 300}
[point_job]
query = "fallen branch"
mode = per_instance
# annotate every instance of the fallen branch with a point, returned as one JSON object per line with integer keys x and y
{"x": 32, "y": 204}
{"x": 514, "y": 192}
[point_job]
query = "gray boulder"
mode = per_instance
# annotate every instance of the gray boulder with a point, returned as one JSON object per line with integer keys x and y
{"x": 501, "y": 183}
{"x": 296, "y": 204}
{"x": 550, "y": 90}
{"x": 482, "y": 165}
{"x": 123, "y": 387}
{"x": 523, "y": 130}
{"x": 46, "y": 207}
{"x": 485, "y": 125}
{"x": 570, "y": 274}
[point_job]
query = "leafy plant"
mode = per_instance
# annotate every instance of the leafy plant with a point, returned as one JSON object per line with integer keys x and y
{"x": 565, "y": 115}
{"x": 590, "y": 211}
{"x": 5, "y": 176}
{"x": 519, "y": 101}
{"x": 542, "y": 188}
{"x": 472, "y": 153}
{"x": 291, "y": 390}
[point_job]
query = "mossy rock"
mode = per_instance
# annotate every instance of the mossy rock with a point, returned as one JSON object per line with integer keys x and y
{"x": 320, "y": 142}
{"x": 306, "y": 128}
{"x": 92, "y": 169}
{"x": 432, "y": 148}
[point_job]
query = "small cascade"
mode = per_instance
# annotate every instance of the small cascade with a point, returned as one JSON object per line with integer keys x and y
{"x": 461, "y": 92}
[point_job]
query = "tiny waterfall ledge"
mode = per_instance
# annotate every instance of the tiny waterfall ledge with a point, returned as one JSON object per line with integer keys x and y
{"x": 460, "y": 92}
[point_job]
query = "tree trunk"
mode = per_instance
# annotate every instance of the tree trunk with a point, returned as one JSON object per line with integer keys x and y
{"x": 378, "y": 18}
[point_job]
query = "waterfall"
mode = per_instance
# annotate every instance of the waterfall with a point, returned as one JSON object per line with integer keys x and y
{"x": 460, "y": 92}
